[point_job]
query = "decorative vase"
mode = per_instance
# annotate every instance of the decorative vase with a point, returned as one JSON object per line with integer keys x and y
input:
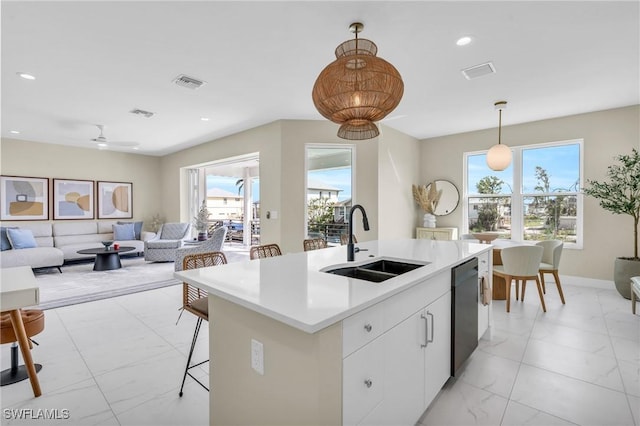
{"x": 623, "y": 270}
{"x": 202, "y": 236}
{"x": 429, "y": 220}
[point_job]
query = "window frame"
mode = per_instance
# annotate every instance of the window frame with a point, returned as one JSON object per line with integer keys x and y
{"x": 517, "y": 195}
{"x": 310, "y": 146}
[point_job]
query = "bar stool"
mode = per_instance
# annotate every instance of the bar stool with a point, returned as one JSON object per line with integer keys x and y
{"x": 196, "y": 301}
{"x": 266, "y": 250}
{"x": 33, "y": 320}
{"x": 314, "y": 244}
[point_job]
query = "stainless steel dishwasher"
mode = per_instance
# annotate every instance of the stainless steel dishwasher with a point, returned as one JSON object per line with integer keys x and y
{"x": 464, "y": 313}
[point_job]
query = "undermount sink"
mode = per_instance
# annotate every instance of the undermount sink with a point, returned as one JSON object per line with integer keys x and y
{"x": 376, "y": 271}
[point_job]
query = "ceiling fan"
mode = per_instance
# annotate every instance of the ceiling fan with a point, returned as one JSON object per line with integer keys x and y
{"x": 103, "y": 143}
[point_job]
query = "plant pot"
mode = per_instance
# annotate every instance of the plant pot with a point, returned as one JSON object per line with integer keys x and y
{"x": 202, "y": 236}
{"x": 623, "y": 270}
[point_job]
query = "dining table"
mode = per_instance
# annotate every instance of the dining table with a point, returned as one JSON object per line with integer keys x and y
{"x": 19, "y": 289}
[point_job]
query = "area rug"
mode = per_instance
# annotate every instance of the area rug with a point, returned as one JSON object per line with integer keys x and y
{"x": 79, "y": 283}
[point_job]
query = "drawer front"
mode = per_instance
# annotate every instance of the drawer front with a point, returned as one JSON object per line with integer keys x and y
{"x": 404, "y": 304}
{"x": 361, "y": 328}
{"x": 362, "y": 382}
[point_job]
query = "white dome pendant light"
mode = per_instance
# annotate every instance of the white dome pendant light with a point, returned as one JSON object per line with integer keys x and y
{"x": 499, "y": 156}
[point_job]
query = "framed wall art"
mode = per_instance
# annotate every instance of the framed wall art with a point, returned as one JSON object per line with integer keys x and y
{"x": 115, "y": 200}
{"x": 24, "y": 198}
{"x": 73, "y": 199}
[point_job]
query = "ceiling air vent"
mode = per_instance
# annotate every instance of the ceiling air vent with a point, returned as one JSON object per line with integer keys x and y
{"x": 188, "y": 82}
{"x": 145, "y": 114}
{"x": 478, "y": 70}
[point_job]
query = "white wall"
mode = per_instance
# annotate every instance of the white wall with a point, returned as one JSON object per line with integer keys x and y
{"x": 605, "y": 133}
{"x": 23, "y": 158}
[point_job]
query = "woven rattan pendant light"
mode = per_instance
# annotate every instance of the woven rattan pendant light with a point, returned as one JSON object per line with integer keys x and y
{"x": 358, "y": 88}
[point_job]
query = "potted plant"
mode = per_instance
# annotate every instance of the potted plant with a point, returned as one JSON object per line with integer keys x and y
{"x": 621, "y": 195}
{"x": 201, "y": 221}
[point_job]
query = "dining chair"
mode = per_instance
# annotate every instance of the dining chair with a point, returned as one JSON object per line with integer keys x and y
{"x": 344, "y": 239}
{"x": 196, "y": 301}
{"x": 522, "y": 264}
{"x": 314, "y": 244}
{"x": 266, "y": 250}
{"x": 552, "y": 250}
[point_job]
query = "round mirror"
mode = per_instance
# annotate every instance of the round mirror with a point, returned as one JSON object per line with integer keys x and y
{"x": 449, "y": 197}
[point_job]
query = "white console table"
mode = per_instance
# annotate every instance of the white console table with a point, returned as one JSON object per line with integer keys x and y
{"x": 19, "y": 289}
{"x": 437, "y": 233}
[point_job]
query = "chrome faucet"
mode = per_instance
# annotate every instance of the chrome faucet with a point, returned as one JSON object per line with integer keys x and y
{"x": 351, "y": 250}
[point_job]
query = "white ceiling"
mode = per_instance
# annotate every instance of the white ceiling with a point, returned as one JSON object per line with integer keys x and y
{"x": 96, "y": 61}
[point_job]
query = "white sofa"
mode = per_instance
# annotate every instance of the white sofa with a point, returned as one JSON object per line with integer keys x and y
{"x": 59, "y": 242}
{"x": 45, "y": 255}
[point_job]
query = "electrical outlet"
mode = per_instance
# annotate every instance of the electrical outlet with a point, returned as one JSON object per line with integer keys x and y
{"x": 257, "y": 356}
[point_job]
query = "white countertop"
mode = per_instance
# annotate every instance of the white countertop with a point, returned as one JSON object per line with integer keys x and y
{"x": 292, "y": 289}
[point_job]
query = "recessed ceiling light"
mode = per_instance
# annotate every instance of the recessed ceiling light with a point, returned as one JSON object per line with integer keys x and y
{"x": 15, "y": 132}
{"x": 463, "y": 41}
{"x": 26, "y": 76}
{"x": 204, "y": 118}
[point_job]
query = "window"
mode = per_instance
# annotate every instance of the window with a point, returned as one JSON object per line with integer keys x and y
{"x": 536, "y": 198}
{"x": 329, "y": 190}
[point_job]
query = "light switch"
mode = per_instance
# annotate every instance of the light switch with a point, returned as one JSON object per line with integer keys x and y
{"x": 257, "y": 356}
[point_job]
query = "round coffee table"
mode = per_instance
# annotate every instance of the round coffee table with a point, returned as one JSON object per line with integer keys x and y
{"x": 106, "y": 260}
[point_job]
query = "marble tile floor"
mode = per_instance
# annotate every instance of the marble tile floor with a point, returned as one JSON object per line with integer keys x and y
{"x": 120, "y": 361}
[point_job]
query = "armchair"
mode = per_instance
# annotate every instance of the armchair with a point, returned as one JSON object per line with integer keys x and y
{"x": 170, "y": 237}
{"x": 212, "y": 244}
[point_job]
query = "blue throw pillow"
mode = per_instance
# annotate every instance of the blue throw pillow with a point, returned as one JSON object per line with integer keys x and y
{"x": 5, "y": 244}
{"x": 21, "y": 238}
{"x": 137, "y": 228}
{"x": 124, "y": 232}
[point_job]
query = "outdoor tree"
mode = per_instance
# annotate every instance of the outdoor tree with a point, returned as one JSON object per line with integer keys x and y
{"x": 488, "y": 212}
{"x": 319, "y": 213}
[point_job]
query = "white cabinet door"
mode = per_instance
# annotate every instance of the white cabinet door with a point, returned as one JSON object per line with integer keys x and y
{"x": 362, "y": 382}
{"x": 403, "y": 375}
{"x": 438, "y": 350}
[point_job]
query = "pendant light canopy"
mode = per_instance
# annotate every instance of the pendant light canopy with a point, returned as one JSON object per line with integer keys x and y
{"x": 499, "y": 156}
{"x": 358, "y": 88}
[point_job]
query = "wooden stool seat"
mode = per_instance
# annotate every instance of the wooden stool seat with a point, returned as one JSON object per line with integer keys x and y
{"x": 33, "y": 320}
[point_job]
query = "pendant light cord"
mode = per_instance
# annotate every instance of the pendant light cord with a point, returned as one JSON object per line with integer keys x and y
{"x": 499, "y": 125}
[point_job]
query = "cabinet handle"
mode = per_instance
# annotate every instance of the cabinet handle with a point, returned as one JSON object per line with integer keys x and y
{"x": 368, "y": 383}
{"x": 429, "y": 314}
{"x": 426, "y": 333}
{"x": 368, "y": 327}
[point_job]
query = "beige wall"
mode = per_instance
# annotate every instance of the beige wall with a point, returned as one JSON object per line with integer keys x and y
{"x": 398, "y": 169}
{"x": 22, "y": 158}
{"x": 605, "y": 133}
{"x": 264, "y": 139}
{"x": 385, "y": 169}
{"x": 296, "y": 134}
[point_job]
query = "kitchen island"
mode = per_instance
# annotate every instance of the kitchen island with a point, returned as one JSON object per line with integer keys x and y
{"x": 292, "y": 344}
